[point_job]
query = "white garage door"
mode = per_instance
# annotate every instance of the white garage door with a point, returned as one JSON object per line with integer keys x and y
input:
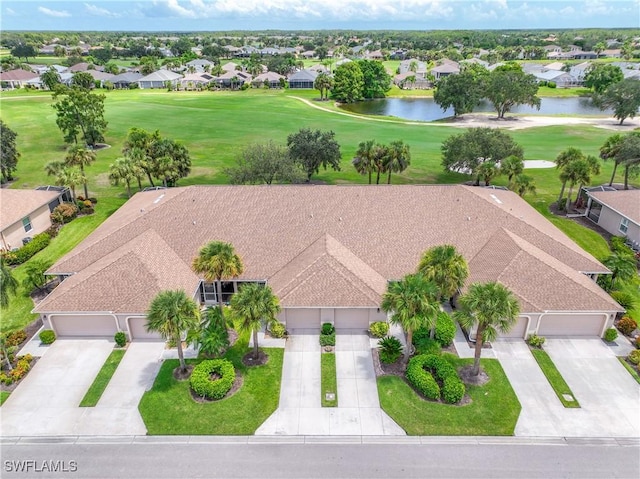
{"x": 303, "y": 318}
{"x": 351, "y": 318}
{"x": 69, "y": 325}
{"x": 571, "y": 325}
{"x": 518, "y": 330}
{"x": 138, "y": 329}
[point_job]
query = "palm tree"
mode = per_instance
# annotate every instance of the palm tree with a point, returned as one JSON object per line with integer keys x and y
{"x": 629, "y": 154}
{"x": 80, "y": 157}
{"x": 398, "y": 159}
{"x": 610, "y": 151}
{"x": 446, "y": 268}
{"x": 124, "y": 169}
{"x": 254, "y": 304}
{"x": 512, "y": 166}
{"x": 70, "y": 177}
{"x": 8, "y": 284}
{"x": 323, "y": 83}
{"x": 622, "y": 267}
{"x": 170, "y": 313}
{"x": 493, "y": 308}
{"x": 524, "y": 184}
{"x": 379, "y": 156}
{"x": 593, "y": 169}
{"x": 414, "y": 303}
{"x": 488, "y": 170}
{"x": 574, "y": 173}
{"x": 216, "y": 261}
{"x": 563, "y": 160}
{"x": 363, "y": 161}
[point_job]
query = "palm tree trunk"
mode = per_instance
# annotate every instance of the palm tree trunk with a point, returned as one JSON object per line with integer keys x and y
{"x": 139, "y": 184}
{"x": 369, "y": 176}
{"x": 255, "y": 343}
{"x": 568, "y": 203}
{"x": 183, "y": 366}
{"x": 128, "y": 188}
{"x": 150, "y": 179}
{"x": 564, "y": 184}
{"x": 389, "y": 177}
{"x": 478, "y": 351}
{"x": 626, "y": 176}
{"x": 407, "y": 353}
{"x": 575, "y": 203}
{"x": 378, "y": 177}
{"x": 220, "y": 305}
{"x": 615, "y": 167}
{"x": 86, "y": 191}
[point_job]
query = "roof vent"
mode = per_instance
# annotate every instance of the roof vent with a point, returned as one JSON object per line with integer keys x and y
{"x": 157, "y": 200}
{"x": 496, "y": 199}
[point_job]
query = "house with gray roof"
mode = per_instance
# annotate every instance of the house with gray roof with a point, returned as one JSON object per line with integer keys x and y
{"x": 125, "y": 80}
{"x": 310, "y": 244}
{"x": 159, "y": 79}
{"x": 617, "y": 212}
{"x": 302, "y": 79}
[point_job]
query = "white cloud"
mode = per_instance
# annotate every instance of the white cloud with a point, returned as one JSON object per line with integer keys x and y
{"x": 99, "y": 12}
{"x": 54, "y": 13}
{"x": 10, "y": 11}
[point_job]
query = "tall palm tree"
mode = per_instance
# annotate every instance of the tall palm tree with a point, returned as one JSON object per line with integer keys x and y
{"x": 252, "y": 305}
{"x": 70, "y": 177}
{"x": 323, "y": 83}
{"x": 8, "y": 284}
{"x": 413, "y": 302}
{"x": 524, "y": 184}
{"x": 593, "y": 169}
{"x": 493, "y": 308}
{"x": 512, "y": 166}
{"x": 363, "y": 161}
{"x": 171, "y": 313}
{"x": 123, "y": 169}
{"x": 563, "y": 160}
{"x": 610, "y": 151}
{"x": 80, "y": 157}
{"x": 398, "y": 159}
{"x": 574, "y": 173}
{"x": 446, "y": 268}
{"x": 629, "y": 154}
{"x": 216, "y": 261}
{"x": 380, "y": 155}
{"x": 488, "y": 170}
{"x": 622, "y": 267}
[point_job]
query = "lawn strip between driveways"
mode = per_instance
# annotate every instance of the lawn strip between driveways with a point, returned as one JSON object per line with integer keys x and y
{"x": 493, "y": 409}
{"x": 329, "y": 381}
{"x": 101, "y": 381}
{"x": 554, "y": 377}
{"x": 4, "y": 395}
{"x": 628, "y": 367}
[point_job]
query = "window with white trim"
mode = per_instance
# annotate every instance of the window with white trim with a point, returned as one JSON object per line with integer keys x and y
{"x": 26, "y": 223}
{"x": 624, "y": 225}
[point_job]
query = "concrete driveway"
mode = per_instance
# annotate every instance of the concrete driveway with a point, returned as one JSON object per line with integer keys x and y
{"x": 46, "y": 402}
{"x": 300, "y": 412}
{"x": 607, "y": 394}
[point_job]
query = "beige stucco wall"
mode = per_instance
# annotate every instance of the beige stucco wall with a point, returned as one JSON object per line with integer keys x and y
{"x": 610, "y": 221}
{"x": 12, "y": 235}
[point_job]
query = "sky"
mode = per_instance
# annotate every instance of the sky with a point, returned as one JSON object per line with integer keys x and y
{"x": 215, "y": 15}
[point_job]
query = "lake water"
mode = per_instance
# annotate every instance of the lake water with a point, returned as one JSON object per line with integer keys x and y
{"x": 425, "y": 109}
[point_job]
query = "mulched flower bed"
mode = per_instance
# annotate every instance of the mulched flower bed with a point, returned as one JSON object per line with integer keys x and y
{"x": 180, "y": 375}
{"x": 237, "y": 384}
{"x": 12, "y": 386}
{"x": 394, "y": 369}
{"x": 250, "y": 360}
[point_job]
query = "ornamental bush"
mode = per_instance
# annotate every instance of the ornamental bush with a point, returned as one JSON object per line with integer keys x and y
{"x": 426, "y": 370}
{"x": 64, "y": 213}
{"x": 38, "y": 243}
{"x": 634, "y": 356}
{"x": 452, "y": 390}
{"x": 445, "y": 329}
{"x": 390, "y": 349}
{"x": 379, "y": 329}
{"x": 421, "y": 379}
{"x": 277, "y": 330}
{"x": 610, "y": 335}
{"x": 47, "y": 336}
{"x": 120, "y": 338}
{"x": 626, "y": 325}
{"x": 328, "y": 339}
{"x": 536, "y": 341}
{"x": 423, "y": 343}
{"x": 327, "y": 328}
{"x": 16, "y": 337}
{"x": 213, "y": 378}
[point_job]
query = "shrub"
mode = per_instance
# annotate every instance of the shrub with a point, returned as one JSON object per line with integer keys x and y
{"x": 624, "y": 299}
{"x": 422, "y": 372}
{"x": 212, "y": 338}
{"x": 15, "y": 338}
{"x": 327, "y": 328}
{"x": 626, "y": 325}
{"x": 379, "y": 329}
{"x": 421, "y": 379}
{"x": 47, "y": 336}
{"x": 452, "y": 390}
{"x": 634, "y": 356}
{"x": 53, "y": 230}
{"x": 328, "y": 339}
{"x": 38, "y": 243}
{"x": 551, "y": 84}
{"x": 277, "y": 330}
{"x": 202, "y": 383}
{"x": 536, "y": 341}
{"x": 390, "y": 349}
{"x": 93, "y": 200}
{"x": 120, "y": 338}
{"x": 637, "y": 342}
{"x": 619, "y": 246}
{"x": 610, "y": 335}
{"x": 64, "y": 213}
{"x": 445, "y": 329}
{"x": 423, "y": 343}
{"x": 22, "y": 367}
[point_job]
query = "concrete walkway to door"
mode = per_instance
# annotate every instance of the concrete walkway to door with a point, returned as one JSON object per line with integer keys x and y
{"x": 300, "y": 412}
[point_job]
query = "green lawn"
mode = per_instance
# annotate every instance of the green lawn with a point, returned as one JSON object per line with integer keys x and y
{"x": 168, "y": 408}
{"x": 493, "y": 411}
{"x": 329, "y": 381}
{"x": 4, "y": 395}
{"x": 101, "y": 381}
{"x": 631, "y": 370}
{"x": 554, "y": 377}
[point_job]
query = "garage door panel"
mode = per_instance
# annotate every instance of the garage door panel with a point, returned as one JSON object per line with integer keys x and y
{"x": 303, "y": 318}
{"x": 83, "y": 325}
{"x": 571, "y": 325}
{"x": 518, "y": 330}
{"x": 138, "y": 329}
{"x": 351, "y": 318}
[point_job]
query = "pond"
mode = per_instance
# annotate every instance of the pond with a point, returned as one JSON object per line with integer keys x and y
{"x": 425, "y": 109}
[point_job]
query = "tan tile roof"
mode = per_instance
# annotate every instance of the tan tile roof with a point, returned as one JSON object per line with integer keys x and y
{"x": 16, "y": 204}
{"x": 625, "y": 202}
{"x": 332, "y": 245}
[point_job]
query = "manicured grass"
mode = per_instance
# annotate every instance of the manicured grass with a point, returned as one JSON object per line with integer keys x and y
{"x": 554, "y": 377}
{"x": 4, "y": 395}
{"x": 329, "y": 381}
{"x": 169, "y": 409}
{"x": 631, "y": 370}
{"x": 493, "y": 411}
{"x": 101, "y": 381}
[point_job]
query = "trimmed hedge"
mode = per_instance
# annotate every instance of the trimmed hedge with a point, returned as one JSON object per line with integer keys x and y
{"x": 277, "y": 330}
{"x": 610, "y": 334}
{"x": 422, "y": 372}
{"x": 379, "y": 329}
{"x": 204, "y": 386}
{"x": 37, "y": 244}
{"x": 47, "y": 336}
{"x": 445, "y": 329}
{"x": 328, "y": 339}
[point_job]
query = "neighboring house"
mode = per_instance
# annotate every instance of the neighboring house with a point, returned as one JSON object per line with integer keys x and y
{"x": 273, "y": 79}
{"x": 232, "y": 79}
{"x": 125, "y": 80}
{"x": 196, "y": 80}
{"x": 413, "y": 65}
{"x": 24, "y": 214}
{"x": 16, "y": 78}
{"x": 200, "y": 64}
{"x": 447, "y": 68}
{"x": 84, "y": 66}
{"x": 555, "y": 66}
{"x": 101, "y": 76}
{"x": 302, "y": 79}
{"x": 617, "y": 212}
{"x": 560, "y": 78}
{"x": 328, "y": 252}
{"x": 159, "y": 79}
{"x": 411, "y": 81}
{"x": 230, "y": 67}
